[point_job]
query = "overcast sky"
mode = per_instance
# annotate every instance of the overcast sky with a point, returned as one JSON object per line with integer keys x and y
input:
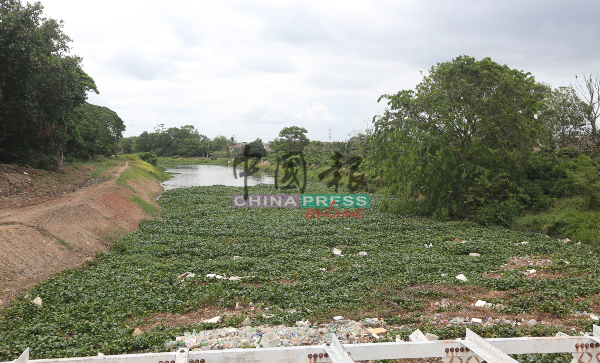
{"x": 251, "y": 68}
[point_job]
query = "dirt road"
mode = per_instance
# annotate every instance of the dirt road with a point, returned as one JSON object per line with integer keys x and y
{"x": 64, "y": 230}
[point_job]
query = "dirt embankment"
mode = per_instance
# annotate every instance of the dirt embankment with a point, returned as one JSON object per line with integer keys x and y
{"x": 50, "y": 222}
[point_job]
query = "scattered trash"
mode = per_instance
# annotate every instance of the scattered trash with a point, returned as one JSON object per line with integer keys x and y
{"x": 531, "y": 272}
{"x": 476, "y": 321}
{"x": 532, "y": 322}
{"x": 214, "y": 320}
{"x": 428, "y": 245}
{"x": 236, "y": 257}
{"x": 336, "y": 318}
{"x": 302, "y": 323}
{"x": 377, "y": 331}
{"x": 100, "y": 354}
{"x": 561, "y": 334}
{"x": 480, "y": 303}
{"x": 417, "y": 336}
{"x": 235, "y": 278}
{"x": 337, "y": 252}
{"x": 566, "y": 240}
{"x": 524, "y": 242}
{"x": 270, "y": 340}
{"x": 186, "y": 275}
{"x": 444, "y": 275}
{"x": 246, "y": 322}
{"x": 362, "y": 253}
{"x": 346, "y": 228}
{"x": 399, "y": 339}
{"x": 473, "y": 254}
{"x": 38, "y": 301}
{"x": 268, "y": 316}
{"x": 137, "y": 331}
{"x": 462, "y": 277}
{"x": 457, "y": 240}
{"x": 594, "y": 317}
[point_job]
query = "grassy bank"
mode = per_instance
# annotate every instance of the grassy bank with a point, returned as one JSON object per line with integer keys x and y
{"x": 286, "y": 264}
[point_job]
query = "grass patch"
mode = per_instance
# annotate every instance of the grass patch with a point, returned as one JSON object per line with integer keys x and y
{"x": 568, "y": 219}
{"x": 146, "y": 207}
{"x": 65, "y": 244}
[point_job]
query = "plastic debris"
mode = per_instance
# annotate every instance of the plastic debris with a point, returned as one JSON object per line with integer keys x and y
{"x": 214, "y": 320}
{"x": 270, "y": 340}
{"x": 246, "y": 322}
{"x": 473, "y": 254}
{"x": 336, "y": 318}
{"x": 137, "y": 331}
{"x": 532, "y": 322}
{"x": 377, "y": 331}
{"x": 531, "y": 272}
{"x": 480, "y": 303}
{"x": 561, "y": 334}
{"x": 476, "y": 321}
{"x": 38, "y": 301}
{"x": 417, "y": 336}
{"x": 444, "y": 275}
{"x": 399, "y": 339}
{"x": 337, "y": 252}
{"x": 457, "y": 240}
{"x": 235, "y": 278}
{"x": 462, "y": 277}
{"x": 362, "y": 253}
{"x": 594, "y": 317}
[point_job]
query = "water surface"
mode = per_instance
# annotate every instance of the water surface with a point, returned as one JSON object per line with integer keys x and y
{"x": 204, "y": 175}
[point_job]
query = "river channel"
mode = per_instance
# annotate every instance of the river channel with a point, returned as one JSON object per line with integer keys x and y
{"x": 185, "y": 176}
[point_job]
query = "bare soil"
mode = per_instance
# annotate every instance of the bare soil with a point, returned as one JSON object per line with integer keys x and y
{"x": 50, "y": 221}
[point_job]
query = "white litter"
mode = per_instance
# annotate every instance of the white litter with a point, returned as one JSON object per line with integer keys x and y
{"x": 480, "y": 303}
{"x": 462, "y": 277}
{"x": 417, "y": 336}
{"x": 336, "y": 318}
{"x": 362, "y": 253}
{"x": 213, "y": 320}
{"x": 473, "y": 254}
{"x": 337, "y": 252}
{"x": 594, "y": 317}
{"x": 37, "y": 301}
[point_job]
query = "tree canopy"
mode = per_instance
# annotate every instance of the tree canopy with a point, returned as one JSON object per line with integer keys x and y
{"x": 459, "y": 140}
{"x": 40, "y": 83}
{"x": 291, "y": 139}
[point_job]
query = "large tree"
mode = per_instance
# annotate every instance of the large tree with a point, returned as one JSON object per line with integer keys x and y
{"x": 467, "y": 128}
{"x": 40, "y": 83}
{"x": 291, "y": 139}
{"x": 95, "y": 131}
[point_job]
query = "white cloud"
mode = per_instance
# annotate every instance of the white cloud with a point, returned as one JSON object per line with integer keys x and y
{"x": 252, "y": 68}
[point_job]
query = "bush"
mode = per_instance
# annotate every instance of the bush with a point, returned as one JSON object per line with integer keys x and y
{"x": 149, "y": 157}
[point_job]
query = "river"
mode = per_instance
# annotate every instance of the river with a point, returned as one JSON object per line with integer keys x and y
{"x": 186, "y": 176}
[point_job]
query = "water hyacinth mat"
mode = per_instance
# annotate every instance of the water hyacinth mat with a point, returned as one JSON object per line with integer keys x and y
{"x": 278, "y": 267}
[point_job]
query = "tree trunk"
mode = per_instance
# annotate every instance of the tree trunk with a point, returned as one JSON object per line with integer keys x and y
{"x": 58, "y": 161}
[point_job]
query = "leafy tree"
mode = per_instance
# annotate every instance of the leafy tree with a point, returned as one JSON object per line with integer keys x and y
{"x": 563, "y": 114}
{"x": 291, "y": 139}
{"x": 255, "y": 149}
{"x": 465, "y": 131}
{"x": 95, "y": 131}
{"x": 126, "y": 144}
{"x": 39, "y": 83}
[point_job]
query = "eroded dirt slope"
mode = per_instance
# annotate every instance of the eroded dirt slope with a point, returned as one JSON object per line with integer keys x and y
{"x": 50, "y": 222}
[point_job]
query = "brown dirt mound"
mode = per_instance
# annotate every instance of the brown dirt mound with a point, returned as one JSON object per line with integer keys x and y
{"x": 49, "y": 222}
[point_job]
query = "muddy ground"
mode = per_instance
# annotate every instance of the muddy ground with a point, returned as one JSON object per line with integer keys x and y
{"x": 50, "y": 221}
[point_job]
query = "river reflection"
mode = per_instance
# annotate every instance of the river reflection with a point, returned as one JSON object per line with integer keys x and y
{"x": 204, "y": 175}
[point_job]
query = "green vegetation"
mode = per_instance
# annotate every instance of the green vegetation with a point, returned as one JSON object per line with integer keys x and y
{"x": 146, "y": 207}
{"x": 43, "y": 93}
{"x": 96, "y": 308}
